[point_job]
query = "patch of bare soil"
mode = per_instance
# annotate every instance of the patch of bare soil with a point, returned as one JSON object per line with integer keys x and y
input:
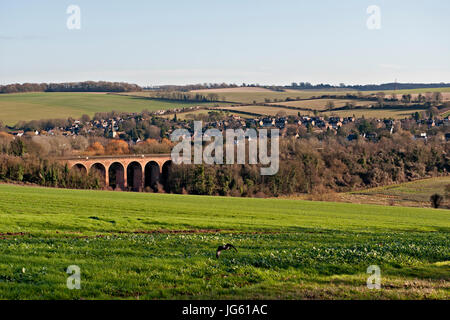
{"x": 166, "y": 231}
{"x": 6, "y": 235}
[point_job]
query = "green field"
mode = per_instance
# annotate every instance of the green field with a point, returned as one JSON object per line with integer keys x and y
{"x": 46, "y": 105}
{"x": 126, "y": 247}
{"x": 36, "y": 106}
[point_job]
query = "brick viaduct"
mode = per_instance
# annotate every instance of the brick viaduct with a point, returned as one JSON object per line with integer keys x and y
{"x": 125, "y": 172}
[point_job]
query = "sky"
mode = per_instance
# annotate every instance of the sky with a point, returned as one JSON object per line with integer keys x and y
{"x": 233, "y": 41}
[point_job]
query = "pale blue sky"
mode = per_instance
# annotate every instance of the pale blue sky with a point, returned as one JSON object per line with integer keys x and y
{"x": 254, "y": 41}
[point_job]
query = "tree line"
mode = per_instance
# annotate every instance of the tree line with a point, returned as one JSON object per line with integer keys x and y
{"x": 86, "y": 86}
{"x": 314, "y": 167}
{"x": 183, "y": 96}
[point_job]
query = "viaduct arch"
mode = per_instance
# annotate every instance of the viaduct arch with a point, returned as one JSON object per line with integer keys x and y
{"x": 125, "y": 172}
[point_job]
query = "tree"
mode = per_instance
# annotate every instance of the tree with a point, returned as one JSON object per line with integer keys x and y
{"x": 281, "y": 114}
{"x": 18, "y": 148}
{"x": 436, "y": 200}
{"x": 365, "y": 127}
{"x": 433, "y": 112}
{"x": 437, "y": 97}
{"x": 349, "y": 105}
{"x": 330, "y": 105}
{"x": 116, "y": 147}
{"x": 96, "y": 149}
{"x": 420, "y": 98}
{"x": 85, "y": 118}
{"x": 406, "y": 98}
{"x": 380, "y": 98}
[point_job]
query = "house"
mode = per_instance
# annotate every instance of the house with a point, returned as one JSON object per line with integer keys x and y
{"x": 17, "y": 133}
{"x": 372, "y": 136}
{"x": 267, "y": 122}
{"x": 422, "y": 136}
{"x": 281, "y": 122}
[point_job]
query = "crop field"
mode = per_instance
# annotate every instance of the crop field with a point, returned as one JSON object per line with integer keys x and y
{"x": 240, "y": 96}
{"x": 321, "y": 104}
{"x": 46, "y": 105}
{"x": 415, "y": 92}
{"x": 160, "y": 246}
{"x": 397, "y": 113}
{"x": 265, "y": 110}
{"x": 190, "y": 114}
{"x": 36, "y": 106}
{"x": 249, "y": 95}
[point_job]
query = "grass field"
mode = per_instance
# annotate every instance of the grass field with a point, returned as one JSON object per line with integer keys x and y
{"x": 416, "y": 193}
{"x": 35, "y": 106}
{"x": 409, "y": 194}
{"x": 287, "y": 249}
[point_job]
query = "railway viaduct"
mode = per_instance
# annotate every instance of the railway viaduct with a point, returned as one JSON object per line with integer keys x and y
{"x": 125, "y": 172}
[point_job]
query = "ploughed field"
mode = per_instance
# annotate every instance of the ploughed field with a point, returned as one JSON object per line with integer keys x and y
{"x": 159, "y": 246}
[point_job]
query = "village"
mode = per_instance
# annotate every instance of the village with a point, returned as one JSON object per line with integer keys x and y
{"x": 123, "y": 125}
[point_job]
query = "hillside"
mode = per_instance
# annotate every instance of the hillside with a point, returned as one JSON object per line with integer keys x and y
{"x": 147, "y": 246}
{"x": 45, "y": 105}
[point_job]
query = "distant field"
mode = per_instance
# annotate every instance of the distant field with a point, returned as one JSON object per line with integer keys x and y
{"x": 239, "y": 89}
{"x": 321, "y": 104}
{"x": 409, "y": 194}
{"x": 249, "y": 95}
{"x": 160, "y": 246}
{"x": 240, "y": 96}
{"x": 187, "y": 115}
{"x": 445, "y": 91}
{"x": 35, "y": 106}
{"x": 265, "y": 110}
{"x": 398, "y": 113}
{"x": 415, "y": 193}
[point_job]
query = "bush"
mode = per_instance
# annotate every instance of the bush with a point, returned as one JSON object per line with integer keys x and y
{"x": 436, "y": 200}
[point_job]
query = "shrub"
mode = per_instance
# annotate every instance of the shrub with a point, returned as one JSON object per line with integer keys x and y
{"x": 436, "y": 200}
